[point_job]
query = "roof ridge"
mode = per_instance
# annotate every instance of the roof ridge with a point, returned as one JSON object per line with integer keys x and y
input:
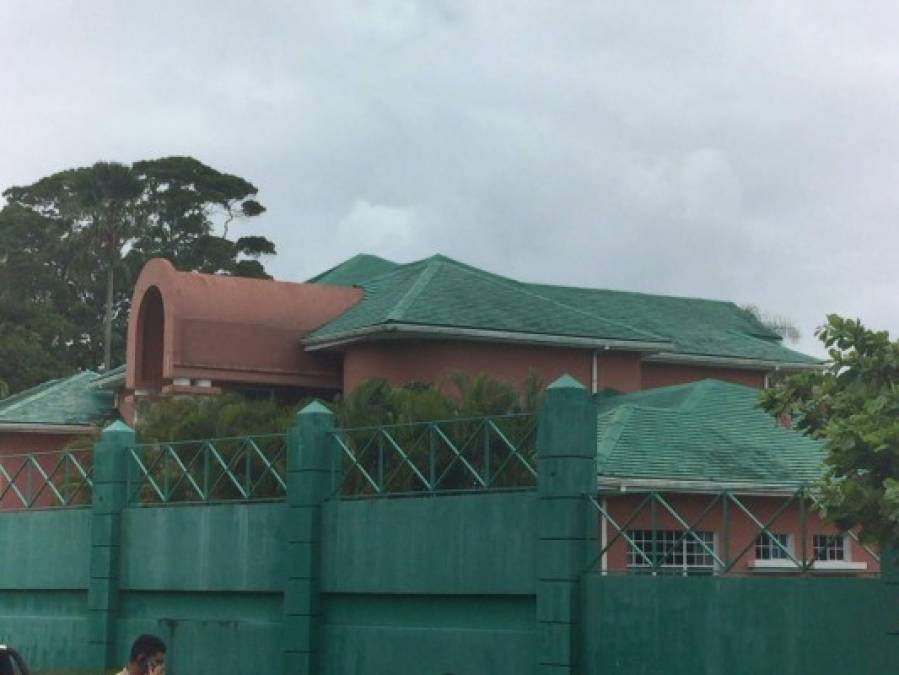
{"x": 424, "y": 278}
{"x": 349, "y": 260}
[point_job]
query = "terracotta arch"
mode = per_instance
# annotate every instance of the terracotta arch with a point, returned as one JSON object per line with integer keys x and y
{"x": 229, "y": 329}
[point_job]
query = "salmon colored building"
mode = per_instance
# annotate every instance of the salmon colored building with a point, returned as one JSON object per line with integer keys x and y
{"x": 197, "y": 334}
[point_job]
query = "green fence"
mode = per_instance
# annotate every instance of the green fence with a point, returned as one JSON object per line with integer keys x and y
{"x": 458, "y": 547}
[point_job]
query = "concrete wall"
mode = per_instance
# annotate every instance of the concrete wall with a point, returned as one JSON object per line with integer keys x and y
{"x": 44, "y": 563}
{"x": 707, "y": 626}
{"x": 209, "y": 581}
{"x": 429, "y": 585}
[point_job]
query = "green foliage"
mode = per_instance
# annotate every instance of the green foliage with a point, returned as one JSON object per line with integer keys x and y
{"x": 197, "y": 417}
{"x": 853, "y": 405}
{"x": 374, "y": 402}
{"x": 72, "y": 244}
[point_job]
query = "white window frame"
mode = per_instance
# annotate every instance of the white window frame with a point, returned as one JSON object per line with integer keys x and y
{"x": 636, "y": 562}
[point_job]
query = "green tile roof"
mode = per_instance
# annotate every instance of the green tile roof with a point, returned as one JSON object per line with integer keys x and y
{"x": 439, "y": 291}
{"x": 697, "y": 327}
{"x": 442, "y": 292}
{"x": 709, "y": 431}
{"x": 66, "y": 401}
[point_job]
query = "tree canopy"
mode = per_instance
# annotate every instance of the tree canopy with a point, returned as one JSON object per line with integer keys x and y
{"x": 853, "y": 405}
{"x": 72, "y": 244}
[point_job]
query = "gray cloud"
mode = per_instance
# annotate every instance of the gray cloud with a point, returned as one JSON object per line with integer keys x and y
{"x": 689, "y": 148}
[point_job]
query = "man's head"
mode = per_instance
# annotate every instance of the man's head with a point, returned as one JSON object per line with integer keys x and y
{"x": 147, "y": 656}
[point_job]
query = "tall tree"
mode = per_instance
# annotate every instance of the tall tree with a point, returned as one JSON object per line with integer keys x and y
{"x": 852, "y": 405}
{"x": 71, "y": 245}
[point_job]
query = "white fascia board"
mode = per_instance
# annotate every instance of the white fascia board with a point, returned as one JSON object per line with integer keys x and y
{"x": 25, "y": 428}
{"x": 730, "y": 362}
{"x": 638, "y": 485}
{"x": 477, "y": 334}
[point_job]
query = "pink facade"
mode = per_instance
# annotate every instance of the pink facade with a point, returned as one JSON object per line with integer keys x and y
{"x": 431, "y": 361}
{"x": 655, "y": 374}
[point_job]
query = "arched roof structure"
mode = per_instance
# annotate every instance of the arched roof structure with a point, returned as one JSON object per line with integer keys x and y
{"x": 230, "y": 329}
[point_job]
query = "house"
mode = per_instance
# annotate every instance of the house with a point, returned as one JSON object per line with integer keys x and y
{"x": 369, "y": 317}
{"x": 675, "y": 381}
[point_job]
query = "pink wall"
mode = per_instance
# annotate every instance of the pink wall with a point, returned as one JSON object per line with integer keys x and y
{"x": 432, "y": 360}
{"x": 619, "y": 370}
{"x": 400, "y": 361}
{"x": 666, "y": 374}
{"x": 742, "y": 532}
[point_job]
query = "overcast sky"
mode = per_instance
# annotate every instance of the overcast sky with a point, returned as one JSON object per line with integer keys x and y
{"x": 749, "y": 154}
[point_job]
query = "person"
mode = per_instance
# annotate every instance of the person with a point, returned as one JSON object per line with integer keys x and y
{"x": 147, "y": 657}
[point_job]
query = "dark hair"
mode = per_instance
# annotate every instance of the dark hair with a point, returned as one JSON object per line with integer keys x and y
{"x": 146, "y": 646}
{"x": 6, "y": 663}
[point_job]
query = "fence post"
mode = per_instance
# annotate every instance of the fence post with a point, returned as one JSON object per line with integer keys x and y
{"x": 309, "y": 442}
{"x": 889, "y": 573}
{"x": 110, "y": 467}
{"x": 566, "y": 472}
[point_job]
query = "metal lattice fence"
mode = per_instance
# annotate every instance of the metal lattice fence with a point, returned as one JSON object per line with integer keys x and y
{"x": 46, "y": 479}
{"x": 473, "y": 454}
{"x": 222, "y": 469}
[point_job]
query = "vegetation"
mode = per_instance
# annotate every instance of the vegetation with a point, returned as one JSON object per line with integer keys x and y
{"x": 72, "y": 244}
{"x": 853, "y": 405}
{"x": 436, "y": 452}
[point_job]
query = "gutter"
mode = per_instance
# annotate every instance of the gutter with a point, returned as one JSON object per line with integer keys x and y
{"x": 731, "y": 362}
{"x": 643, "y": 485}
{"x": 398, "y": 330}
{"x": 24, "y": 427}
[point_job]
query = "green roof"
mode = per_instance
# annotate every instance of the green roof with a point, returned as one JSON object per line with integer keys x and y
{"x": 70, "y": 401}
{"x": 707, "y": 431}
{"x": 441, "y": 292}
{"x": 354, "y": 271}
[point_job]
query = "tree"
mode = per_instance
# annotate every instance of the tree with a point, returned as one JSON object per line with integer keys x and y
{"x": 853, "y": 405}
{"x": 72, "y": 244}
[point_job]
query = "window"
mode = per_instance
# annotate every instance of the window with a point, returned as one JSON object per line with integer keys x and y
{"x": 766, "y": 547}
{"x": 829, "y": 547}
{"x": 677, "y": 552}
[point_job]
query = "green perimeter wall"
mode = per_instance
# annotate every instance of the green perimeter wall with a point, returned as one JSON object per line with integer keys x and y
{"x": 44, "y": 562}
{"x": 437, "y": 585}
{"x": 466, "y": 584}
{"x": 644, "y": 625}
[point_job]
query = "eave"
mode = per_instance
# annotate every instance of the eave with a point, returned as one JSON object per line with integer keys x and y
{"x": 403, "y": 330}
{"x": 730, "y": 362}
{"x": 34, "y": 428}
{"x": 613, "y": 486}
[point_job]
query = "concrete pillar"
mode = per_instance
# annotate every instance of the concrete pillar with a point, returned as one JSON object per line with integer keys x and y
{"x": 109, "y": 499}
{"x": 566, "y": 472}
{"x": 309, "y": 447}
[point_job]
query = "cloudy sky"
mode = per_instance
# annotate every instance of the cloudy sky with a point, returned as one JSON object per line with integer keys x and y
{"x": 747, "y": 153}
